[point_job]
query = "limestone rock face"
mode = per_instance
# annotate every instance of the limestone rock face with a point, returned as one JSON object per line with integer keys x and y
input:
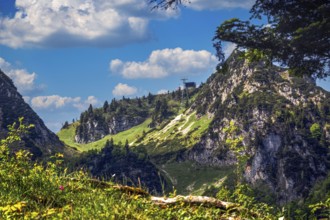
{"x": 40, "y": 141}
{"x": 94, "y": 129}
{"x": 274, "y": 114}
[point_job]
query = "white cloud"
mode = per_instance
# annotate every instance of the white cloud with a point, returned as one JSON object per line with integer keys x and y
{"x": 58, "y": 102}
{"x": 124, "y": 89}
{"x": 60, "y": 23}
{"x": 23, "y": 80}
{"x": 216, "y": 5}
{"x": 228, "y": 49}
{"x": 162, "y": 91}
{"x": 91, "y": 100}
{"x": 162, "y": 63}
{"x": 53, "y": 101}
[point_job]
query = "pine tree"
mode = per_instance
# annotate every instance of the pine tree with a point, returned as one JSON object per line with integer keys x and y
{"x": 66, "y": 125}
{"x": 127, "y": 147}
{"x": 150, "y": 98}
{"x": 90, "y": 109}
{"x": 105, "y": 106}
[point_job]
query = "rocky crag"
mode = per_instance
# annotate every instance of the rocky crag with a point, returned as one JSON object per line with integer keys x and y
{"x": 284, "y": 122}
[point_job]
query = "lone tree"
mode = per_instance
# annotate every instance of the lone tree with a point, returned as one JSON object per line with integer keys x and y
{"x": 297, "y": 33}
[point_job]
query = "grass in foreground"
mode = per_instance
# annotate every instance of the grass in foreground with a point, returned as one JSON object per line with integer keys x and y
{"x": 32, "y": 191}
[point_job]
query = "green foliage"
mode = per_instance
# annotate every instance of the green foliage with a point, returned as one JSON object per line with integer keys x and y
{"x": 255, "y": 55}
{"x": 33, "y": 191}
{"x": 316, "y": 131}
{"x": 160, "y": 113}
{"x": 300, "y": 42}
{"x": 235, "y": 144}
{"x": 250, "y": 208}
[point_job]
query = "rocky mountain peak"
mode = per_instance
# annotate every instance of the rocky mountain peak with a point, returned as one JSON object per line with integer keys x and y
{"x": 274, "y": 114}
{"x": 40, "y": 141}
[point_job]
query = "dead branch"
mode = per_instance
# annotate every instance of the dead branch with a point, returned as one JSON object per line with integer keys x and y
{"x": 102, "y": 184}
{"x": 198, "y": 200}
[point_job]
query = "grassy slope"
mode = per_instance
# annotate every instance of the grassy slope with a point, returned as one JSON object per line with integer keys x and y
{"x": 181, "y": 132}
{"x": 67, "y": 136}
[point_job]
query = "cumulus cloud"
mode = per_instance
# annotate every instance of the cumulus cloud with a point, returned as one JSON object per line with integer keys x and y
{"x": 216, "y": 5}
{"x": 124, "y": 89}
{"x": 60, "y": 23}
{"x": 162, "y": 63}
{"x": 23, "y": 80}
{"x": 53, "y": 101}
{"x": 57, "y": 102}
{"x": 91, "y": 100}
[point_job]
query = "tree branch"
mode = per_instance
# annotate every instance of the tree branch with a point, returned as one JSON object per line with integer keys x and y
{"x": 198, "y": 200}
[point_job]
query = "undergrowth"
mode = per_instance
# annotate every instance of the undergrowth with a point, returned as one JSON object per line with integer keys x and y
{"x": 29, "y": 190}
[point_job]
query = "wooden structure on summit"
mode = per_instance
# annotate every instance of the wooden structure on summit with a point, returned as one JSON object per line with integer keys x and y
{"x": 186, "y": 86}
{"x": 190, "y": 85}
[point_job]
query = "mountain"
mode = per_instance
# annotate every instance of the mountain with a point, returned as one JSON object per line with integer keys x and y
{"x": 278, "y": 124}
{"x": 284, "y": 123}
{"x": 40, "y": 141}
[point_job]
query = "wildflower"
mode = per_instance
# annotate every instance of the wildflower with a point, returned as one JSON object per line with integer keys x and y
{"x": 59, "y": 155}
{"x": 61, "y": 188}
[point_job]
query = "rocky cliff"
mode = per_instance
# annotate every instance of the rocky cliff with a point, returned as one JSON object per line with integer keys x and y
{"x": 40, "y": 141}
{"x": 284, "y": 122}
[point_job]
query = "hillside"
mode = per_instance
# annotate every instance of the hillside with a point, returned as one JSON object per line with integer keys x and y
{"x": 278, "y": 123}
{"x": 40, "y": 141}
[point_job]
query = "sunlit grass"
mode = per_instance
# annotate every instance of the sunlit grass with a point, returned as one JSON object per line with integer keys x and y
{"x": 67, "y": 136}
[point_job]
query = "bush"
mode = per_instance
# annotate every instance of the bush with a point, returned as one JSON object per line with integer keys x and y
{"x": 315, "y": 130}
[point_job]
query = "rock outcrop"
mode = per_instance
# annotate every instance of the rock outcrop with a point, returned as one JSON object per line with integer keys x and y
{"x": 95, "y": 128}
{"x": 274, "y": 113}
{"x": 40, "y": 141}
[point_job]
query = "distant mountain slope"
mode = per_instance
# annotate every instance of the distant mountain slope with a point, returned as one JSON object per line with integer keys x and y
{"x": 40, "y": 141}
{"x": 121, "y": 115}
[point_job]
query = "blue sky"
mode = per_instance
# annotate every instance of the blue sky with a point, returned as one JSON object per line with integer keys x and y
{"x": 66, "y": 54}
